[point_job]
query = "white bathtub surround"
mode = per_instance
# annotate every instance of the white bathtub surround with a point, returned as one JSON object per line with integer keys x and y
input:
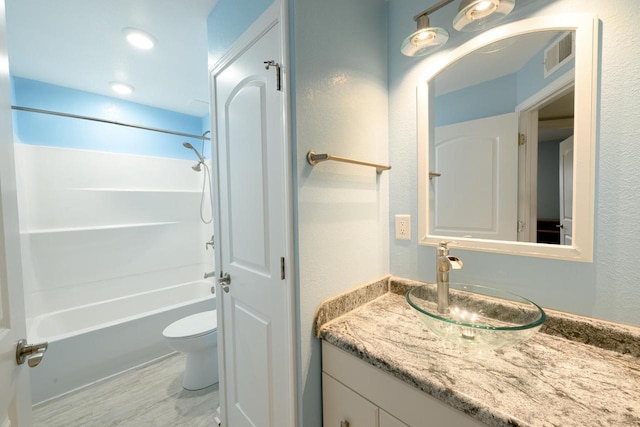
{"x": 98, "y": 226}
{"x": 197, "y": 336}
{"x": 113, "y": 251}
{"x": 78, "y": 357}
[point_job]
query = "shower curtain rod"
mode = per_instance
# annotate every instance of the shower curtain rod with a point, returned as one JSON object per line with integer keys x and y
{"x": 111, "y": 122}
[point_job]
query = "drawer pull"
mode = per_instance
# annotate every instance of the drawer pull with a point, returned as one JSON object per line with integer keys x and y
{"x": 344, "y": 423}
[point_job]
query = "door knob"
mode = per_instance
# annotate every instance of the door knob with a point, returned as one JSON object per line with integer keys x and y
{"x": 224, "y": 281}
{"x": 31, "y": 353}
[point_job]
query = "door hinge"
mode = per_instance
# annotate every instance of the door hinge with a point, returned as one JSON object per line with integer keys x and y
{"x": 282, "y": 268}
{"x": 272, "y": 63}
{"x": 522, "y": 139}
{"x": 521, "y": 225}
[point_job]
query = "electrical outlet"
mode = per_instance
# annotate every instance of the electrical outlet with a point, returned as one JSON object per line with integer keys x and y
{"x": 403, "y": 227}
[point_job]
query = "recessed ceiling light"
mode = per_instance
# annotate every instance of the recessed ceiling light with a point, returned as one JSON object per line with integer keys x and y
{"x": 121, "y": 88}
{"x": 139, "y": 38}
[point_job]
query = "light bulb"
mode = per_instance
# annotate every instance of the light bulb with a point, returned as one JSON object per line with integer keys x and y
{"x": 477, "y": 15}
{"x": 424, "y": 41}
{"x": 423, "y": 37}
{"x": 483, "y": 6}
{"x": 482, "y": 9}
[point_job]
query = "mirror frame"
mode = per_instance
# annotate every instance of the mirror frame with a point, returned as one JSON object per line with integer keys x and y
{"x": 586, "y": 82}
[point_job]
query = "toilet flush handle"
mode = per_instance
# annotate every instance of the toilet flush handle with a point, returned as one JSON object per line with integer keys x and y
{"x": 224, "y": 281}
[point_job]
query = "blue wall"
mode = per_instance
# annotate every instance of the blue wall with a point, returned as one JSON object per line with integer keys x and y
{"x": 486, "y": 99}
{"x": 54, "y": 131}
{"x": 228, "y": 20}
{"x": 607, "y": 287}
{"x": 531, "y": 77}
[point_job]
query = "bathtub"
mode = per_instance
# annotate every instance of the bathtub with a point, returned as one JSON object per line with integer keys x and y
{"x": 98, "y": 340}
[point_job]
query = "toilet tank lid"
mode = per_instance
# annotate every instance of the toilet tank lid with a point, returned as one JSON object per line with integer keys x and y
{"x": 191, "y": 326}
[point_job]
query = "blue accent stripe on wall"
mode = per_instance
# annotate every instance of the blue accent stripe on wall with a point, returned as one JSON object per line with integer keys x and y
{"x": 53, "y": 131}
{"x": 490, "y": 98}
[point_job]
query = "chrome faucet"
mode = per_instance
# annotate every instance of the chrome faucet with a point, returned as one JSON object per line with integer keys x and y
{"x": 444, "y": 263}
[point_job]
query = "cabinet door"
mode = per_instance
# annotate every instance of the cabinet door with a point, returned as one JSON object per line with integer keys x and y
{"x": 388, "y": 420}
{"x": 342, "y": 407}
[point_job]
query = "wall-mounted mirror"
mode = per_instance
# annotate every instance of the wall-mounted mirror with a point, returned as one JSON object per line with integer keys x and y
{"x": 506, "y": 141}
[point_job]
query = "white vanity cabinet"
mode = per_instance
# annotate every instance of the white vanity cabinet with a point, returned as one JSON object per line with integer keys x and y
{"x": 356, "y": 394}
{"x": 388, "y": 420}
{"x": 342, "y": 407}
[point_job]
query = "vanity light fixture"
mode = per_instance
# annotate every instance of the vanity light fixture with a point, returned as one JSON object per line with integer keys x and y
{"x": 121, "y": 88}
{"x": 426, "y": 39}
{"x": 473, "y": 15}
{"x": 139, "y": 38}
{"x": 476, "y": 15}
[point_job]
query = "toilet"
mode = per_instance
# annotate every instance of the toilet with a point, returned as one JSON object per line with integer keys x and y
{"x": 196, "y": 336}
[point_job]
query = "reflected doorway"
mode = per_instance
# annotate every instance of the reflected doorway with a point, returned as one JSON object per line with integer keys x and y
{"x": 544, "y": 187}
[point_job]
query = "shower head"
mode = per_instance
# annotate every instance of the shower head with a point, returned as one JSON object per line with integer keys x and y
{"x": 191, "y": 147}
{"x": 196, "y": 167}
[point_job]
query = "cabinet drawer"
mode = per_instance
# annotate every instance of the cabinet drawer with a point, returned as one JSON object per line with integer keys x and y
{"x": 343, "y": 405}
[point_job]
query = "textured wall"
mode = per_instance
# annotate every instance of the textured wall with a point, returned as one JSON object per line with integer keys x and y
{"x": 606, "y": 288}
{"x": 341, "y": 108}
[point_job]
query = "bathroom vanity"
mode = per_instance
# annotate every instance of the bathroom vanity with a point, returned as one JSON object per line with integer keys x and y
{"x": 382, "y": 367}
{"x": 357, "y": 393}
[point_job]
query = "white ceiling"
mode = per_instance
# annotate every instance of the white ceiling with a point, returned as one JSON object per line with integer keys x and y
{"x": 490, "y": 62}
{"x": 79, "y": 44}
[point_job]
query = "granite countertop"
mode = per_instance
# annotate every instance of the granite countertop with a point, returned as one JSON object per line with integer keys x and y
{"x": 576, "y": 371}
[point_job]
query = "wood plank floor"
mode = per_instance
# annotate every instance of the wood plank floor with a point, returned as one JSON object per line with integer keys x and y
{"x": 150, "y": 395}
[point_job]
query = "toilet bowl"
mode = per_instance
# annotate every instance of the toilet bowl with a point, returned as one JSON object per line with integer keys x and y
{"x": 196, "y": 336}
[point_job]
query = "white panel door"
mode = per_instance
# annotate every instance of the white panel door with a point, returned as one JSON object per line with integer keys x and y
{"x": 15, "y": 399}
{"x": 257, "y": 327}
{"x": 477, "y": 193}
{"x": 566, "y": 191}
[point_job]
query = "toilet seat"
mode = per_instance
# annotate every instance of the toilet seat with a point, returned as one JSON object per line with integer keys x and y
{"x": 192, "y": 326}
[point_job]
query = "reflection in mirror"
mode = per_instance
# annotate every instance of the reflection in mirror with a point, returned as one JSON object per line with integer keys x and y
{"x": 478, "y": 106}
{"x": 500, "y": 118}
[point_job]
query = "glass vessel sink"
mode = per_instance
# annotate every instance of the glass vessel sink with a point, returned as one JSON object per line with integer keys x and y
{"x": 479, "y": 317}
